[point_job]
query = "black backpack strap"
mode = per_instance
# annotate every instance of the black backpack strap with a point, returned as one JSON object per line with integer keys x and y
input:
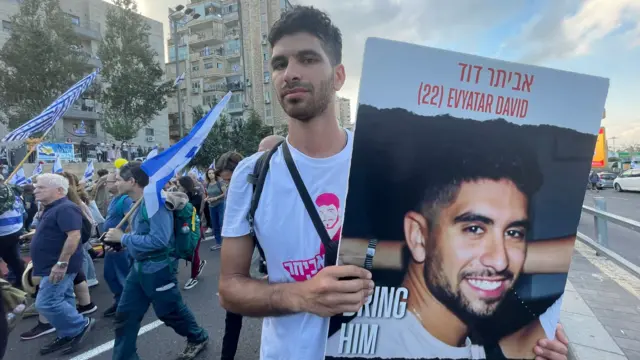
{"x": 306, "y": 199}
{"x": 257, "y": 178}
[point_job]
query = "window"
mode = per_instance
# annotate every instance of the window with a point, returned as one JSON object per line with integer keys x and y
{"x": 195, "y": 67}
{"x": 267, "y": 77}
{"x": 74, "y": 19}
{"x": 220, "y": 65}
{"x": 267, "y": 112}
{"x": 6, "y": 26}
{"x": 267, "y": 97}
{"x": 149, "y": 132}
{"x": 208, "y": 65}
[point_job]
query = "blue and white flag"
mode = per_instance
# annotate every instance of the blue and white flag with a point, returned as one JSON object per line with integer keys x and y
{"x": 179, "y": 79}
{"x": 45, "y": 121}
{"x": 88, "y": 173}
{"x": 37, "y": 170}
{"x": 57, "y": 166}
{"x": 213, "y": 165}
{"x": 153, "y": 152}
{"x": 163, "y": 166}
{"x": 19, "y": 178}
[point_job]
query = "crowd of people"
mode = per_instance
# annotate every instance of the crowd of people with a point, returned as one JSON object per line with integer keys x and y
{"x": 139, "y": 266}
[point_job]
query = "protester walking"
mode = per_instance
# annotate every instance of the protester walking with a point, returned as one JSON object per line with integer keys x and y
{"x": 215, "y": 204}
{"x": 195, "y": 198}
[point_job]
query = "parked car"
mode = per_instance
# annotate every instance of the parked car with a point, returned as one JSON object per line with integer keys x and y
{"x": 628, "y": 181}
{"x": 606, "y": 180}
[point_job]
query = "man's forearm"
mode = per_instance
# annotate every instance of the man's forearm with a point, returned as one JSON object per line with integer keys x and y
{"x": 250, "y": 297}
{"x": 69, "y": 248}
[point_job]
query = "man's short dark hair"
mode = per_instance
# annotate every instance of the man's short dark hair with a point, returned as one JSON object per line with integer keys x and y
{"x": 307, "y": 19}
{"x": 134, "y": 170}
{"x": 103, "y": 172}
{"x": 482, "y": 158}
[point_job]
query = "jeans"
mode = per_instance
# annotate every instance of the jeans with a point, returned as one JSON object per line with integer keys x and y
{"x": 57, "y": 303}
{"x": 161, "y": 290}
{"x": 87, "y": 263}
{"x": 116, "y": 269}
{"x": 10, "y": 253}
{"x": 232, "y": 327}
{"x": 217, "y": 214}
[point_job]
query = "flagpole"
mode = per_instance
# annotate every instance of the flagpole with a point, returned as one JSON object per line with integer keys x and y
{"x": 126, "y": 218}
{"x": 33, "y": 144}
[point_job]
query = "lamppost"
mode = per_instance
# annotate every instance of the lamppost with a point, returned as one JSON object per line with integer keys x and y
{"x": 174, "y": 16}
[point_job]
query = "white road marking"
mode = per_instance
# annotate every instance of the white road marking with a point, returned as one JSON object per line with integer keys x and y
{"x": 90, "y": 354}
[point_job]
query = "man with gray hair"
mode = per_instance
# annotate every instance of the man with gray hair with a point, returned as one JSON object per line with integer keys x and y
{"x": 57, "y": 258}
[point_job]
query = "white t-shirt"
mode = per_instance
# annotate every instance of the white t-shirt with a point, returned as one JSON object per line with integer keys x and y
{"x": 405, "y": 338}
{"x": 292, "y": 247}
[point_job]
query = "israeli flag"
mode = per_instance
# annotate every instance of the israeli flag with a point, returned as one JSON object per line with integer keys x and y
{"x": 45, "y": 121}
{"x": 57, "y": 166}
{"x": 179, "y": 79}
{"x": 19, "y": 178}
{"x": 37, "y": 171}
{"x": 162, "y": 167}
{"x": 88, "y": 173}
{"x": 213, "y": 165}
{"x": 153, "y": 152}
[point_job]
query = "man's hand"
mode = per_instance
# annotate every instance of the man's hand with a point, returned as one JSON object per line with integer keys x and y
{"x": 28, "y": 235}
{"x": 114, "y": 235}
{"x": 57, "y": 274}
{"x": 556, "y": 349}
{"x": 326, "y": 295}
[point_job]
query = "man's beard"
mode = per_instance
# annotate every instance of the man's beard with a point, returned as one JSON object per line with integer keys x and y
{"x": 318, "y": 102}
{"x": 442, "y": 289}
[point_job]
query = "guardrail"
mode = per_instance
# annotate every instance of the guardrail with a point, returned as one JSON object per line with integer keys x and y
{"x": 600, "y": 244}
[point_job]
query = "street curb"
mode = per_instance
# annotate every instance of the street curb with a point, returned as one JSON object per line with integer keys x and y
{"x": 571, "y": 353}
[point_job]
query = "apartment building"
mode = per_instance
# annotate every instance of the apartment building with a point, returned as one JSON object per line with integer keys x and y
{"x": 82, "y": 121}
{"x": 343, "y": 110}
{"x": 225, "y": 49}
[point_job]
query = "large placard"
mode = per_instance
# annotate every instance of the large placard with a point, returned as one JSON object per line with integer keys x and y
{"x": 465, "y": 192}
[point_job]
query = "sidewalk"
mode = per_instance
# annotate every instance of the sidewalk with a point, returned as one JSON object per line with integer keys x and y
{"x": 601, "y": 309}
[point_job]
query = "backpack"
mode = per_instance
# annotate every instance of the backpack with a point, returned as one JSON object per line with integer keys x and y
{"x": 186, "y": 230}
{"x": 8, "y": 194}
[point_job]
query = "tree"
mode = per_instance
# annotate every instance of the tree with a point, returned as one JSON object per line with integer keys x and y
{"x": 41, "y": 59}
{"x": 136, "y": 92}
{"x": 216, "y": 143}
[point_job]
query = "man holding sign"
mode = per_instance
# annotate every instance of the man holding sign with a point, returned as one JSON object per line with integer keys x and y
{"x": 301, "y": 293}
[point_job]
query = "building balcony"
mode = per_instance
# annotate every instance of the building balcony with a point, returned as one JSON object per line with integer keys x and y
{"x": 90, "y": 30}
{"x": 215, "y": 87}
{"x": 235, "y": 86}
{"x": 84, "y": 109}
{"x": 230, "y": 17}
{"x": 235, "y": 107}
{"x": 232, "y": 53}
{"x": 206, "y": 73}
{"x": 232, "y": 34}
{"x": 210, "y": 36}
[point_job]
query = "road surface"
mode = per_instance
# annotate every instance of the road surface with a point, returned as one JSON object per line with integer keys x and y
{"x": 159, "y": 342}
{"x": 621, "y": 240}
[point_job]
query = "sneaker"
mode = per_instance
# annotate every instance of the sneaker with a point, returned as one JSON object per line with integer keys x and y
{"x": 209, "y": 231}
{"x": 111, "y": 311}
{"x": 90, "y": 308}
{"x": 57, "y": 344}
{"x": 76, "y": 341}
{"x": 202, "y": 264}
{"x": 192, "y": 350}
{"x": 92, "y": 282}
{"x": 190, "y": 284}
{"x": 40, "y": 329}
{"x": 215, "y": 247}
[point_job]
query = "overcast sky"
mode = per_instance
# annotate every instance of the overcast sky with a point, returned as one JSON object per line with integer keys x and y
{"x": 599, "y": 37}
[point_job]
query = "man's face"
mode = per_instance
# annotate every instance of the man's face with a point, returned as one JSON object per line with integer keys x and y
{"x": 303, "y": 76}
{"x": 111, "y": 183}
{"x": 225, "y": 176}
{"x": 46, "y": 193}
{"x": 476, "y": 249}
{"x": 124, "y": 186}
